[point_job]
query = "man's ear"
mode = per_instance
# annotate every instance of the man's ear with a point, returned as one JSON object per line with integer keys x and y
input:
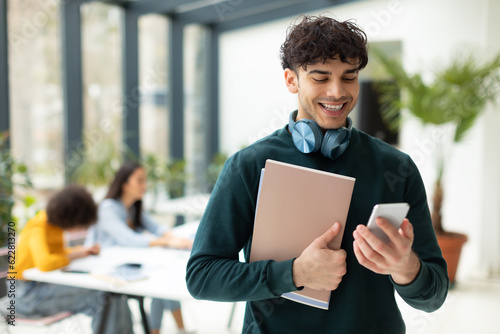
{"x": 292, "y": 81}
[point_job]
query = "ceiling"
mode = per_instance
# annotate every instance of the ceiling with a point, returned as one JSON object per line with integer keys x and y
{"x": 223, "y": 15}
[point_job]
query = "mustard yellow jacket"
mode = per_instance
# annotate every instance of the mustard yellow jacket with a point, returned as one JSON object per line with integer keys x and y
{"x": 40, "y": 245}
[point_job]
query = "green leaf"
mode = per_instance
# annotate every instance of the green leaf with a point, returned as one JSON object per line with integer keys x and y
{"x": 29, "y": 200}
{"x": 458, "y": 94}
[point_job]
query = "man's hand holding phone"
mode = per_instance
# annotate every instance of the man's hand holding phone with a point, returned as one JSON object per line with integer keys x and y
{"x": 394, "y": 257}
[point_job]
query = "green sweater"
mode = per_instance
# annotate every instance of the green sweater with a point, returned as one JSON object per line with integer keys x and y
{"x": 364, "y": 302}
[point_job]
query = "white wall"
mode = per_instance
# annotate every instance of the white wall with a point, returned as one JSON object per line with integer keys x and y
{"x": 489, "y": 214}
{"x": 255, "y": 102}
{"x": 254, "y": 99}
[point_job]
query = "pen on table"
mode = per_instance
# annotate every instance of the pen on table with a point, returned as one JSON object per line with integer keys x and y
{"x": 75, "y": 271}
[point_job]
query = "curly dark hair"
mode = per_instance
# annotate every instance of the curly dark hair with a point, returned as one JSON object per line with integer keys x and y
{"x": 71, "y": 207}
{"x": 319, "y": 38}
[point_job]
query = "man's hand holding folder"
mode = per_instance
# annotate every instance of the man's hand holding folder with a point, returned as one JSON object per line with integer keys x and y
{"x": 319, "y": 267}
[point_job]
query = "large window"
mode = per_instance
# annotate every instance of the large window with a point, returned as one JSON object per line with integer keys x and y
{"x": 102, "y": 89}
{"x": 35, "y": 89}
{"x": 37, "y": 96}
{"x": 155, "y": 101}
{"x": 195, "y": 109}
{"x": 153, "y": 75}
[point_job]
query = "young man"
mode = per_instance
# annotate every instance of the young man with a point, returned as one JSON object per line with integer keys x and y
{"x": 322, "y": 59}
{"x": 41, "y": 245}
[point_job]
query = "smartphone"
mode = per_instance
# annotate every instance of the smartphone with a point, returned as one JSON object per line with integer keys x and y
{"x": 129, "y": 272}
{"x": 395, "y": 213}
{"x": 130, "y": 265}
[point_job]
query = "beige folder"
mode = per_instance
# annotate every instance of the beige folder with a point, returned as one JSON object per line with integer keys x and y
{"x": 296, "y": 205}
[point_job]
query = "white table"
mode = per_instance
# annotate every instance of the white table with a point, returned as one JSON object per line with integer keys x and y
{"x": 165, "y": 270}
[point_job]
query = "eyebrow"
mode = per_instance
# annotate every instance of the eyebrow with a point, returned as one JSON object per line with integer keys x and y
{"x": 353, "y": 70}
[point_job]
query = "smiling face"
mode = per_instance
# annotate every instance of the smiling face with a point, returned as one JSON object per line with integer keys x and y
{"x": 327, "y": 92}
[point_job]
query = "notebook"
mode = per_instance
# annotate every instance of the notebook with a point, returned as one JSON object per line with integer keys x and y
{"x": 295, "y": 205}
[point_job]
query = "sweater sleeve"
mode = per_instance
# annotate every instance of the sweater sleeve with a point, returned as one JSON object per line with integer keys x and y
{"x": 39, "y": 249}
{"x": 429, "y": 289}
{"x": 214, "y": 271}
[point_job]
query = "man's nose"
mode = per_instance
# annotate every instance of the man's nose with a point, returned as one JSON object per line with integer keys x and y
{"x": 336, "y": 89}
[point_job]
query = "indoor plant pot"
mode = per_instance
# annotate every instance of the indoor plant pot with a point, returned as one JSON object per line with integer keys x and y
{"x": 451, "y": 246}
{"x": 457, "y": 96}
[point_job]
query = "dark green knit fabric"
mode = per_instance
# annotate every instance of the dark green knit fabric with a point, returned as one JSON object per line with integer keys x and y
{"x": 364, "y": 301}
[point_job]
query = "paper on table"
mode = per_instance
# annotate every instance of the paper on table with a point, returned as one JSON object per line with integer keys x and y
{"x": 187, "y": 230}
{"x": 110, "y": 258}
{"x": 126, "y": 273}
{"x": 88, "y": 264}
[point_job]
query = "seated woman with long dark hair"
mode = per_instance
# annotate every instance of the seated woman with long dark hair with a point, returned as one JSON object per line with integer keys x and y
{"x": 121, "y": 222}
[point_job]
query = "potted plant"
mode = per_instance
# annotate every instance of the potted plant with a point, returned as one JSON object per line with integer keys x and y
{"x": 98, "y": 162}
{"x": 12, "y": 173}
{"x": 176, "y": 177}
{"x": 172, "y": 175}
{"x": 457, "y": 96}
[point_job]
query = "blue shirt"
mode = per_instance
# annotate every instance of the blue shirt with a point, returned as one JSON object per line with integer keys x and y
{"x": 112, "y": 229}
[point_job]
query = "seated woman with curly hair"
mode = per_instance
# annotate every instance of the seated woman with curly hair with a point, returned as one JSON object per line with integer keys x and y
{"x": 41, "y": 246}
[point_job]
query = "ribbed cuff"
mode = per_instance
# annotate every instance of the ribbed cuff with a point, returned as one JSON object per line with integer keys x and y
{"x": 280, "y": 277}
{"x": 417, "y": 286}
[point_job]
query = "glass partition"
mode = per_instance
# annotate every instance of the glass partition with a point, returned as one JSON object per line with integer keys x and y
{"x": 36, "y": 128}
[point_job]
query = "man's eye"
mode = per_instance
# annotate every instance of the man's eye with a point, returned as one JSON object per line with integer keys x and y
{"x": 320, "y": 80}
{"x": 350, "y": 79}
